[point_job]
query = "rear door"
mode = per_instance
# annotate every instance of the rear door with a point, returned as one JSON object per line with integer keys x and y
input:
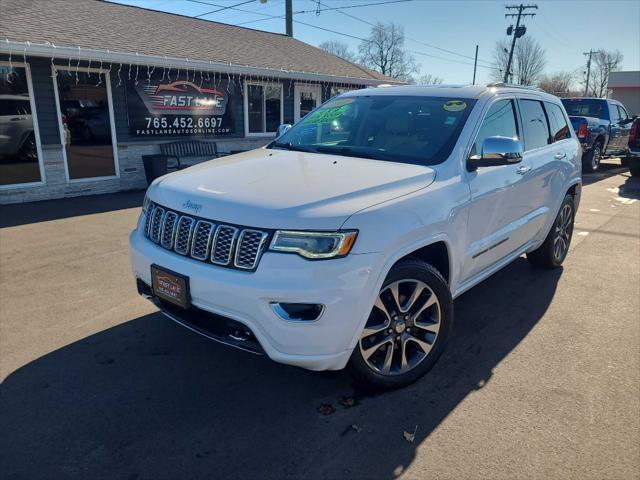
{"x": 496, "y": 207}
{"x": 615, "y": 135}
{"x": 625, "y": 127}
{"x": 539, "y": 154}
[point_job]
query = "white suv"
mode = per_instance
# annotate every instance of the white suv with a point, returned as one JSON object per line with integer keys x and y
{"x": 344, "y": 241}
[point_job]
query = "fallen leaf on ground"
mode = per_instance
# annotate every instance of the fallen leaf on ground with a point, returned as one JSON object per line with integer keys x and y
{"x": 410, "y": 437}
{"x": 355, "y": 427}
{"x": 326, "y": 409}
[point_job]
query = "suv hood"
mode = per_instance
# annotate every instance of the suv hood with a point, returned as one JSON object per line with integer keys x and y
{"x": 286, "y": 189}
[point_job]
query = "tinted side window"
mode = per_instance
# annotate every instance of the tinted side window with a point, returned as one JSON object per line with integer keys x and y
{"x": 7, "y": 107}
{"x": 534, "y": 123}
{"x": 557, "y": 122}
{"x": 500, "y": 121}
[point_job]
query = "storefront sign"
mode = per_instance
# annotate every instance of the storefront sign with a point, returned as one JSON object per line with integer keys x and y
{"x": 171, "y": 108}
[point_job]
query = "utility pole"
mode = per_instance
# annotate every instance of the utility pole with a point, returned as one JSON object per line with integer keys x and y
{"x": 589, "y": 54}
{"x": 289, "y": 17}
{"x": 518, "y": 32}
{"x": 475, "y": 65}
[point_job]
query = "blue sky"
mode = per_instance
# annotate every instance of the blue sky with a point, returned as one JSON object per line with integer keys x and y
{"x": 565, "y": 29}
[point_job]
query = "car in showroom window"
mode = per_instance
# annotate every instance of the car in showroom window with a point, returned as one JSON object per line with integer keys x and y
{"x": 404, "y": 129}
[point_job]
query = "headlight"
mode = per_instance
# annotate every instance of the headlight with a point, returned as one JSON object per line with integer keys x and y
{"x": 314, "y": 245}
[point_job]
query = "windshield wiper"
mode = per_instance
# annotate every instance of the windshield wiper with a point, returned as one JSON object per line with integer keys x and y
{"x": 291, "y": 146}
{"x": 349, "y": 152}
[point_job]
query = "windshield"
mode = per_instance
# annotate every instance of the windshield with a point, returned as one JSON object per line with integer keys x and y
{"x": 408, "y": 129}
{"x": 583, "y": 107}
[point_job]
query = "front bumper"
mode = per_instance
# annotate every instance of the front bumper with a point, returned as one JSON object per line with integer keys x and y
{"x": 346, "y": 287}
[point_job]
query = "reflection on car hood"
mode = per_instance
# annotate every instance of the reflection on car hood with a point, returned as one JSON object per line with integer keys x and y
{"x": 286, "y": 189}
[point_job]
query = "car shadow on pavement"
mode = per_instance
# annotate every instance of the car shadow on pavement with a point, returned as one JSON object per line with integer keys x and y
{"x": 608, "y": 168}
{"x": 149, "y": 399}
{"x": 630, "y": 188}
{"x": 34, "y": 212}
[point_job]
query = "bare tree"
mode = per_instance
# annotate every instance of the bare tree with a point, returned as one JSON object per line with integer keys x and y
{"x": 528, "y": 61}
{"x": 429, "y": 79}
{"x": 339, "y": 49}
{"x": 384, "y": 52}
{"x": 557, "y": 84}
{"x": 602, "y": 64}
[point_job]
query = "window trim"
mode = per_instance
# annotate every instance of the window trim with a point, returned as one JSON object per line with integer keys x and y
{"x": 112, "y": 125}
{"x": 566, "y": 121}
{"x": 245, "y": 107}
{"x": 36, "y": 130}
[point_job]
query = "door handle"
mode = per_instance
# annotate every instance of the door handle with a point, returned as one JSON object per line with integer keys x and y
{"x": 522, "y": 170}
{"x": 559, "y": 156}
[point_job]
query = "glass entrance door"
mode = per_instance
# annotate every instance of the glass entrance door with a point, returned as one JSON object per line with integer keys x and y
{"x": 306, "y": 98}
{"x": 84, "y": 105}
{"x": 20, "y": 159}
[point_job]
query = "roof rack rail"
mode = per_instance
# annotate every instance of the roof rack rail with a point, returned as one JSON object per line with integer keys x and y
{"x": 512, "y": 85}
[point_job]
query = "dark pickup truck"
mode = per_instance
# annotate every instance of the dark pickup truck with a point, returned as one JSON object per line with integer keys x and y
{"x": 602, "y": 126}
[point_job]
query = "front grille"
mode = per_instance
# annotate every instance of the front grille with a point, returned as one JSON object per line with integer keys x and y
{"x": 250, "y": 244}
{"x": 205, "y": 240}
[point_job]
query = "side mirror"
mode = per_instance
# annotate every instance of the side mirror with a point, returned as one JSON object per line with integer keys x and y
{"x": 497, "y": 151}
{"x": 282, "y": 129}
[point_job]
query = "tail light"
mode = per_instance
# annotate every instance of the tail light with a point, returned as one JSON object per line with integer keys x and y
{"x": 633, "y": 134}
{"x": 583, "y": 131}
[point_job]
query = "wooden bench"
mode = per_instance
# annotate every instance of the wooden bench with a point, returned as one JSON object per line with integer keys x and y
{"x": 188, "y": 148}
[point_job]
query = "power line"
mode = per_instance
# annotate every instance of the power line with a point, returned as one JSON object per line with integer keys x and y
{"x": 223, "y": 8}
{"x": 407, "y": 37}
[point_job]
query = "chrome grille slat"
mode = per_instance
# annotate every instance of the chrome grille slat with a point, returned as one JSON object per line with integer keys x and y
{"x": 156, "y": 224}
{"x": 250, "y": 245}
{"x": 204, "y": 240}
{"x": 203, "y": 234}
{"x": 183, "y": 235}
{"x": 168, "y": 229}
{"x": 223, "y": 242}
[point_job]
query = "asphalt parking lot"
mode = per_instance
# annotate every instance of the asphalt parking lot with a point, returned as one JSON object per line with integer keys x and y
{"x": 541, "y": 378}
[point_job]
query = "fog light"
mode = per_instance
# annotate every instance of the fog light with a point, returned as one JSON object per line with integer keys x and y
{"x": 300, "y": 312}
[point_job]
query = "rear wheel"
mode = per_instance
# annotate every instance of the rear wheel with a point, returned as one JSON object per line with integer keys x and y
{"x": 407, "y": 329}
{"x": 634, "y": 167}
{"x": 591, "y": 159}
{"x": 554, "y": 250}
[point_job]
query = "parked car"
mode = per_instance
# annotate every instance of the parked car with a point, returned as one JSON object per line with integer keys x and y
{"x": 603, "y": 127}
{"x": 633, "y": 158}
{"x": 344, "y": 241}
{"x": 17, "y": 140}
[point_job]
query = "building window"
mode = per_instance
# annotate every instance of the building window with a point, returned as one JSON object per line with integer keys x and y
{"x": 263, "y": 108}
{"x": 86, "y": 124}
{"x": 20, "y": 157}
{"x": 335, "y": 91}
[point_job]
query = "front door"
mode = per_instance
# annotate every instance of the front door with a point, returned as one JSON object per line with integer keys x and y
{"x": 306, "y": 98}
{"x": 497, "y": 206}
{"x": 86, "y": 124}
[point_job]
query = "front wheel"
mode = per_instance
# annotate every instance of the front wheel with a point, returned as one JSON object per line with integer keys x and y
{"x": 407, "y": 329}
{"x": 554, "y": 250}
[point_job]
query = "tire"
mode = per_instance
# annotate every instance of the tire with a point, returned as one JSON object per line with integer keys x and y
{"x": 591, "y": 159}
{"x": 417, "y": 331}
{"x": 28, "y": 151}
{"x": 555, "y": 247}
{"x": 635, "y": 168}
{"x": 624, "y": 161}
